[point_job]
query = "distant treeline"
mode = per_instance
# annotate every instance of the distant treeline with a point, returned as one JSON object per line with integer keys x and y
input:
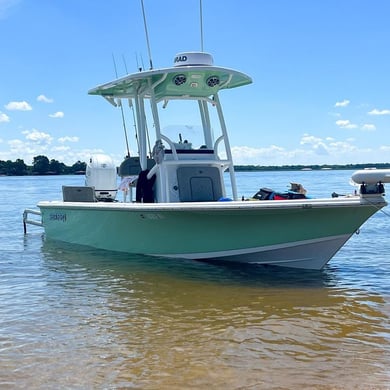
{"x": 43, "y": 166}
{"x": 246, "y": 168}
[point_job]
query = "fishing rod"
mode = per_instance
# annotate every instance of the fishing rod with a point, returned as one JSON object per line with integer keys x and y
{"x": 125, "y": 64}
{"x": 131, "y": 102}
{"x": 122, "y": 113}
{"x": 150, "y": 60}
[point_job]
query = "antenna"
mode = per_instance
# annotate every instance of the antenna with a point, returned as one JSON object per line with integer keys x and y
{"x": 201, "y": 25}
{"x": 147, "y": 35}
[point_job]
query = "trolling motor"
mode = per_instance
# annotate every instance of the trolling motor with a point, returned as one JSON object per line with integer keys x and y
{"x": 367, "y": 188}
{"x": 371, "y": 181}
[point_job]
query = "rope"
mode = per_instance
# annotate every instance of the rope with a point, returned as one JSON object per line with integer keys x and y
{"x": 379, "y": 209}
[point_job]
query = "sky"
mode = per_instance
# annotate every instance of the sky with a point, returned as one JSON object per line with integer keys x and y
{"x": 320, "y": 70}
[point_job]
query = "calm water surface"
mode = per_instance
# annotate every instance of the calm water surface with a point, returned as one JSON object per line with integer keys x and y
{"x": 78, "y": 318}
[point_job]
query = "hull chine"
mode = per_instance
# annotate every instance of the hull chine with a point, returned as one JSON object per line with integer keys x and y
{"x": 309, "y": 254}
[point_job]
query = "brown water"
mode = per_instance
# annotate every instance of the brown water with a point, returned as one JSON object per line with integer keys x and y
{"x": 77, "y": 318}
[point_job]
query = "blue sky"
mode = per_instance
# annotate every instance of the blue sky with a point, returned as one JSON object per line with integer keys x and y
{"x": 320, "y": 70}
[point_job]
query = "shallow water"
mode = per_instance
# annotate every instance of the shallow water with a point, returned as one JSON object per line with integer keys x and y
{"x": 74, "y": 317}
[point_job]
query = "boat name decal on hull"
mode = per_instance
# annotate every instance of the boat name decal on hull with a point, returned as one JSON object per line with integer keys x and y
{"x": 151, "y": 216}
{"x": 58, "y": 217}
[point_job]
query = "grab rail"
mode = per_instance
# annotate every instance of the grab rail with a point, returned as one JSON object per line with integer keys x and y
{"x": 171, "y": 145}
{"x": 26, "y": 220}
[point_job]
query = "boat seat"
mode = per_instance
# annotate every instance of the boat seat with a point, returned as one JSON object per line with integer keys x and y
{"x": 78, "y": 194}
{"x": 199, "y": 184}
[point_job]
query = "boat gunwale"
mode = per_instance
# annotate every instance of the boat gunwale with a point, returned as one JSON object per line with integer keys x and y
{"x": 351, "y": 201}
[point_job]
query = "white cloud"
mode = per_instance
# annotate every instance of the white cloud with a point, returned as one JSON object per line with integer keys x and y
{"x": 340, "y": 147}
{"x": 24, "y": 150}
{"x": 256, "y": 152}
{"x": 385, "y": 148}
{"x": 68, "y": 139}
{"x": 61, "y": 148}
{"x": 379, "y": 112}
{"x": 69, "y": 155}
{"x": 368, "y": 127}
{"x": 18, "y": 106}
{"x": 317, "y": 145}
{"x": 345, "y": 124}
{"x": 310, "y": 140}
{"x": 321, "y": 149}
{"x": 58, "y": 114}
{"x": 38, "y": 137}
{"x": 343, "y": 103}
{"x": 16, "y": 145}
{"x": 44, "y": 99}
{"x": 313, "y": 150}
{"x": 39, "y": 143}
{"x": 249, "y": 155}
{"x": 4, "y": 118}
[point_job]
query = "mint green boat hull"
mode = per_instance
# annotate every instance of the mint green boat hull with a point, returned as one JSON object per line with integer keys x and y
{"x": 304, "y": 234}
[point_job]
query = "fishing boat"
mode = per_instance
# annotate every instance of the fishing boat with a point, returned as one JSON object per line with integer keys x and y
{"x": 187, "y": 204}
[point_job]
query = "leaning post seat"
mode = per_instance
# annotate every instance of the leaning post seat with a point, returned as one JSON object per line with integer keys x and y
{"x": 199, "y": 184}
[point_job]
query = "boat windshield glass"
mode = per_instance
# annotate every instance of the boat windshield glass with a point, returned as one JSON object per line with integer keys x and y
{"x": 185, "y": 135}
{"x": 181, "y": 122}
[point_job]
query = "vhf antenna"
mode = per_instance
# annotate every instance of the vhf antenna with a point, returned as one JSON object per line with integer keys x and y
{"x": 201, "y": 25}
{"x": 147, "y": 35}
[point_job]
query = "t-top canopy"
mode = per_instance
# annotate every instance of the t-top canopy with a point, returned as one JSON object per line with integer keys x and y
{"x": 187, "y": 81}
